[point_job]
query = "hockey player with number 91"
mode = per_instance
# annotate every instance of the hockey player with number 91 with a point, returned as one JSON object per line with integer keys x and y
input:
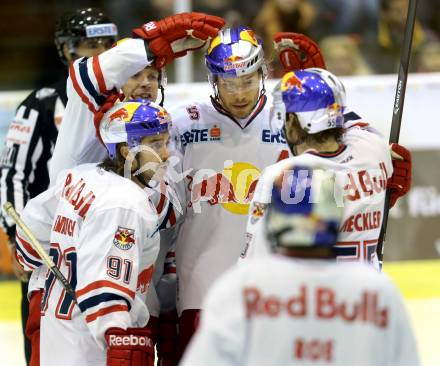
{"x": 101, "y": 229}
{"x": 297, "y": 306}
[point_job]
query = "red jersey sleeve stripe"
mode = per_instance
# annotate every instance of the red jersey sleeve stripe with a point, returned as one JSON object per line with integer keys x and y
{"x": 99, "y": 77}
{"x": 78, "y": 89}
{"x": 21, "y": 260}
{"x": 111, "y": 309}
{"x": 104, "y": 283}
{"x": 27, "y": 246}
{"x": 172, "y": 218}
{"x": 161, "y": 203}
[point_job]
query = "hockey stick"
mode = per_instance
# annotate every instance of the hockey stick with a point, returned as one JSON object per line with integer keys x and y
{"x": 398, "y": 110}
{"x": 10, "y": 210}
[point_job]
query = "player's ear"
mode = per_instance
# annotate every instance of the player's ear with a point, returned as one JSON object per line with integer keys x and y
{"x": 123, "y": 149}
{"x": 66, "y": 53}
{"x": 290, "y": 118}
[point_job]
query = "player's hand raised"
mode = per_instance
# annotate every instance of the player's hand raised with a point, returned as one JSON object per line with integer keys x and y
{"x": 400, "y": 181}
{"x": 297, "y": 51}
{"x": 106, "y": 106}
{"x": 175, "y": 35}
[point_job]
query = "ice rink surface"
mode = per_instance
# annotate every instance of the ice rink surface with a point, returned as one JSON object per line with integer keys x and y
{"x": 418, "y": 281}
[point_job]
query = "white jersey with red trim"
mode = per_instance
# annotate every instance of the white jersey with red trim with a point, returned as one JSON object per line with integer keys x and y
{"x": 103, "y": 235}
{"x": 363, "y": 166}
{"x": 283, "y": 311}
{"x": 90, "y": 80}
{"x": 221, "y": 162}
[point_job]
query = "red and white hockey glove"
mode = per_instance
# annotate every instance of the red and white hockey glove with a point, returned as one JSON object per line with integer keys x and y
{"x": 106, "y": 106}
{"x": 131, "y": 347}
{"x": 175, "y": 35}
{"x": 297, "y": 51}
{"x": 167, "y": 339}
{"x": 400, "y": 181}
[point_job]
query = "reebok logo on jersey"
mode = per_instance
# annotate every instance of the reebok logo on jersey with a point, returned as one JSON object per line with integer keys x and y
{"x": 129, "y": 340}
{"x": 124, "y": 238}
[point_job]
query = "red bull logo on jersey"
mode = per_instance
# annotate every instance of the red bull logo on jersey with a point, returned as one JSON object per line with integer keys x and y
{"x": 124, "y": 238}
{"x": 321, "y": 303}
{"x": 233, "y": 188}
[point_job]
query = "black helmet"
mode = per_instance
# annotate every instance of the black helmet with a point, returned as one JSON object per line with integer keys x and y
{"x": 80, "y": 24}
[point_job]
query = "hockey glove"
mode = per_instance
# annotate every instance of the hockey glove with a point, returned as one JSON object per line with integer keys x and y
{"x": 109, "y": 103}
{"x": 131, "y": 347}
{"x": 167, "y": 340}
{"x": 297, "y": 51}
{"x": 400, "y": 181}
{"x": 175, "y": 35}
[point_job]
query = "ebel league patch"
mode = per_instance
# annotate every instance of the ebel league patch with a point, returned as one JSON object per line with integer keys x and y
{"x": 124, "y": 238}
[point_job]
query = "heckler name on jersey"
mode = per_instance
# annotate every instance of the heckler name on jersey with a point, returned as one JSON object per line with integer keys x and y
{"x": 326, "y": 305}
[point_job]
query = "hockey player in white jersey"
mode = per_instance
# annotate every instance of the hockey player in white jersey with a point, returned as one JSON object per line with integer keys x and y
{"x": 102, "y": 231}
{"x": 225, "y": 143}
{"x": 314, "y": 103}
{"x": 132, "y": 66}
{"x": 297, "y": 306}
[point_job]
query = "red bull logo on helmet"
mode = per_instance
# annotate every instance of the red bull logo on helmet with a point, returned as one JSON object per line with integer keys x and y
{"x": 163, "y": 116}
{"x": 121, "y": 113}
{"x": 233, "y": 58}
{"x": 233, "y": 63}
{"x": 291, "y": 81}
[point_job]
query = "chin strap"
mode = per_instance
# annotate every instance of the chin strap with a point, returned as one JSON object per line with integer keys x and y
{"x": 162, "y": 95}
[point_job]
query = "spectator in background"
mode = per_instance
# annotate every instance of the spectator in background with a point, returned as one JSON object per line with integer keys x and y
{"x": 428, "y": 11}
{"x": 282, "y": 16}
{"x": 33, "y": 132}
{"x": 428, "y": 58}
{"x": 342, "y": 56}
{"x": 345, "y": 16}
{"x": 382, "y": 51}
